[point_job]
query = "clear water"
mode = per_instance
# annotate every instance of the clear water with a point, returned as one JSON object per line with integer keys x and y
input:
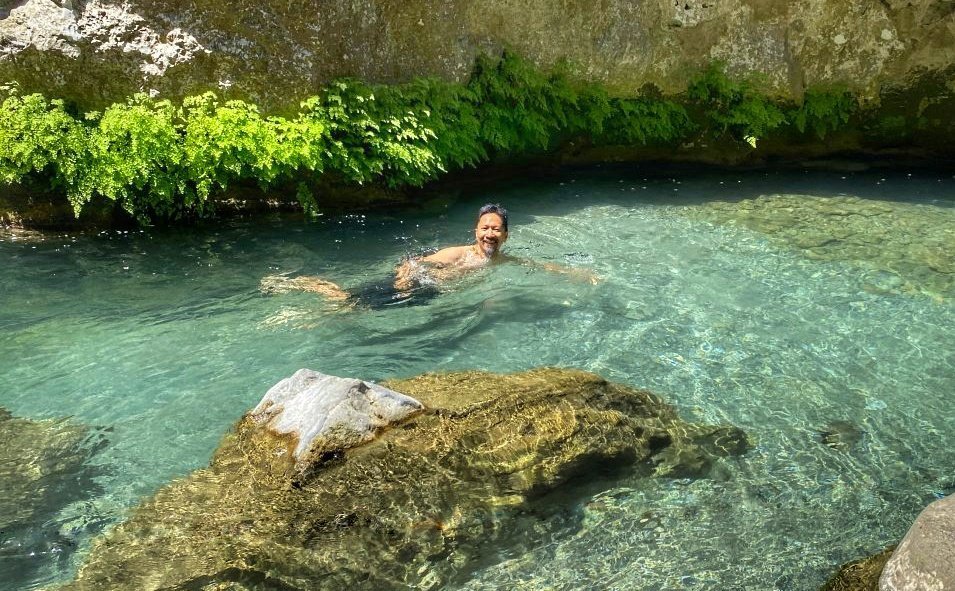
{"x": 160, "y": 340}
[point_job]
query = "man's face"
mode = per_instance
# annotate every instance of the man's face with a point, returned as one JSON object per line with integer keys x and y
{"x": 490, "y": 233}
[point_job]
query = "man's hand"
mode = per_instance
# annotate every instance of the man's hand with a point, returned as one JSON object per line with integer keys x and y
{"x": 575, "y": 273}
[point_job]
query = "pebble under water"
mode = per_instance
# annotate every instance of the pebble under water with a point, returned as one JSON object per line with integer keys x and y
{"x": 813, "y": 309}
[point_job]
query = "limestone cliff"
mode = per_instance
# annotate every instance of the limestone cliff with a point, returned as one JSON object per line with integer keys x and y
{"x": 276, "y": 53}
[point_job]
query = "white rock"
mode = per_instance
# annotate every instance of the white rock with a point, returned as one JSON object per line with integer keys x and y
{"x": 329, "y": 414}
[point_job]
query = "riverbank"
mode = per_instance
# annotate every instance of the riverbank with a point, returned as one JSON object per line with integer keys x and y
{"x": 29, "y": 208}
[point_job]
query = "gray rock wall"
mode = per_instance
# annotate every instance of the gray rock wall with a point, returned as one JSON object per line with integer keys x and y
{"x": 276, "y": 53}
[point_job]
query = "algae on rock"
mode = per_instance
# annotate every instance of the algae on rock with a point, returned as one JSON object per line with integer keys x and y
{"x": 860, "y": 575}
{"x": 416, "y": 507}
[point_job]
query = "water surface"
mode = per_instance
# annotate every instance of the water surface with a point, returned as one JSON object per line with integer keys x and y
{"x": 812, "y": 309}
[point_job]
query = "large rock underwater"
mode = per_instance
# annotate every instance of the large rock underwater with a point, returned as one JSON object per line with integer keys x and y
{"x": 422, "y": 505}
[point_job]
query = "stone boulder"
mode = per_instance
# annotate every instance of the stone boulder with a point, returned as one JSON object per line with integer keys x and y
{"x": 925, "y": 559}
{"x": 441, "y": 488}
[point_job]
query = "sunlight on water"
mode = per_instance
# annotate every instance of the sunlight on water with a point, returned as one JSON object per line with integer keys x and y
{"x": 814, "y": 310}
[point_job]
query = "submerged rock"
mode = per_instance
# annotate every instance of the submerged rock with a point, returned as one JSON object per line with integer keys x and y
{"x": 43, "y": 468}
{"x": 34, "y": 455}
{"x": 841, "y": 435}
{"x": 902, "y": 247}
{"x": 412, "y": 508}
{"x": 859, "y": 575}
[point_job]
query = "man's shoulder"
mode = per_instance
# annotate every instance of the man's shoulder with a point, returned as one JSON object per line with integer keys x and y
{"x": 447, "y": 255}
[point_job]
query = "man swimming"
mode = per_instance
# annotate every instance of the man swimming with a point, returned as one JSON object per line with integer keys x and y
{"x": 420, "y": 276}
{"x": 490, "y": 234}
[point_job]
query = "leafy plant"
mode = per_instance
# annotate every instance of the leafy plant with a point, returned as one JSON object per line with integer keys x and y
{"x": 823, "y": 111}
{"x": 132, "y": 157}
{"x": 159, "y": 160}
{"x": 733, "y": 106}
{"x": 372, "y": 139}
{"x": 39, "y": 136}
{"x": 646, "y": 121}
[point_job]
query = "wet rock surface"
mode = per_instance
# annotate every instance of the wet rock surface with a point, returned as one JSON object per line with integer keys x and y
{"x": 43, "y": 468}
{"x": 924, "y": 559}
{"x": 420, "y": 506}
{"x": 352, "y": 413}
{"x": 903, "y": 247}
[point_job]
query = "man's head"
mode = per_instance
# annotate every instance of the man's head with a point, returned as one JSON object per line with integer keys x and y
{"x": 490, "y": 233}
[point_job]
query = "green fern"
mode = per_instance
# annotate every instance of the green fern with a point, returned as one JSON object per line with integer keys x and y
{"x": 158, "y": 160}
{"x": 733, "y": 107}
{"x": 823, "y": 111}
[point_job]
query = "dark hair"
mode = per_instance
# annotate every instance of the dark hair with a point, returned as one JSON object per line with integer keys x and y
{"x": 493, "y": 208}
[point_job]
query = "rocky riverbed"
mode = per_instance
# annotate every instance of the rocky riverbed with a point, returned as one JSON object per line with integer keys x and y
{"x": 43, "y": 469}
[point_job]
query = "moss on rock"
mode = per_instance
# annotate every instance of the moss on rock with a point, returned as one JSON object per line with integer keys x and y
{"x": 413, "y": 508}
{"x": 860, "y": 575}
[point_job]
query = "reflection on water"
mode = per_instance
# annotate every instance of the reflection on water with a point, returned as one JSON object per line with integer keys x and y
{"x": 812, "y": 310}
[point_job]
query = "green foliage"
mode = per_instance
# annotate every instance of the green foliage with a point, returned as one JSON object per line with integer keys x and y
{"x": 159, "y": 160}
{"x": 645, "y": 121}
{"x": 222, "y": 143}
{"x": 889, "y": 127}
{"x": 823, "y": 111}
{"x": 39, "y": 136}
{"x": 522, "y": 108}
{"x": 451, "y": 112}
{"x": 372, "y": 139}
{"x": 733, "y": 106}
{"x": 131, "y": 155}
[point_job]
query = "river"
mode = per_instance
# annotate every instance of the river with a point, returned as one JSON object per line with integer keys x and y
{"x": 813, "y": 308}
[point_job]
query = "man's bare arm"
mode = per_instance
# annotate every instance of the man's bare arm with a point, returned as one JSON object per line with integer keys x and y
{"x": 578, "y": 273}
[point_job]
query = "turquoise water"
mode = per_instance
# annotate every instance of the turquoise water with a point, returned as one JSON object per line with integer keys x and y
{"x": 840, "y": 367}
